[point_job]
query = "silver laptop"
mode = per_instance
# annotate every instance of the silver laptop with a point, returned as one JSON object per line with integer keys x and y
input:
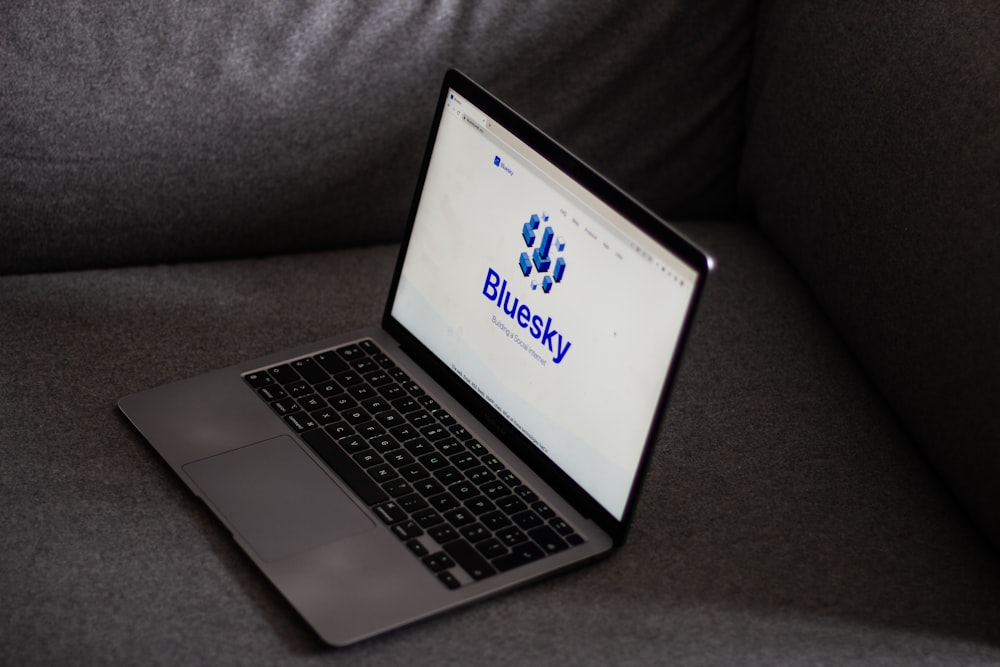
{"x": 492, "y": 431}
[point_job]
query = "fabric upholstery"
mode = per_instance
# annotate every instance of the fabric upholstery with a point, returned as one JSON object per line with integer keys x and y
{"x": 784, "y": 520}
{"x": 150, "y": 132}
{"x": 873, "y": 161}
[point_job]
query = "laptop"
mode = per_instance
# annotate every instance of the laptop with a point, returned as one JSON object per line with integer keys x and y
{"x": 493, "y": 430}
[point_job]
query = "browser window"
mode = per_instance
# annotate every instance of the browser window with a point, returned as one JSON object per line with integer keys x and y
{"x": 553, "y": 308}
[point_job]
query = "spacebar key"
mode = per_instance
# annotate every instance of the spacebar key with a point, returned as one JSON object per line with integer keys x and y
{"x": 345, "y": 466}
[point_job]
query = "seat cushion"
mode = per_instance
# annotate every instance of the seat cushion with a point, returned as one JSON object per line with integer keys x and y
{"x": 873, "y": 162}
{"x": 785, "y": 517}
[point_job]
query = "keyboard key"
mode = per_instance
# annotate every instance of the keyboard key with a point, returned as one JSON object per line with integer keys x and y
{"x": 428, "y": 487}
{"x": 434, "y": 432}
{"x": 412, "y": 503}
{"x": 464, "y": 460}
{"x": 392, "y": 391}
{"x": 368, "y": 458}
{"x": 328, "y": 389}
{"x": 271, "y": 392}
{"x": 433, "y": 461}
{"x": 342, "y": 402}
{"x": 325, "y": 416}
{"x": 495, "y": 489}
{"x": 345, "y": 467}
{"x": 420, "y": 418}
{"x": 285, "y": 406}
{"x": 348, "y": 378}
{"x": 413, "y": 472}
{"x": 522, "y": 554}
{"x": 389, "y": 512}
{"x": 418, "y": 447}
{"x": 527, "y": 520}
{"x": 403, "y": 432}
{"x": 399, "y": 458}
{"x": 390, "y": 418}
{"x": 350, "y": 352}
{"x": 299, "y": 389}
{"x": 369, "y": 430}
{"x": 369, "y": 346}
{"x": 258, "y": 379}
{"x": 547, "y": 539}
{"x": 432, "y": 521}
{"x": 438, "y": 561}
{"x": 459, "y": 517}
{"x": 464, "y": 490}
{"x": 511, "y": 504}
{"x": 449, "y": 580}
{"x": 407, "y": 530}
{"x": 495, "y": 520}
{"x": 364, "y": 365}
{"x": 491, "y": 548}
{"x": 480, "y": 475}
{"x": 527, "y": 495}
{"x": 448, "y": 476}
{"x": 396, "y": 487}
{"x": 283, "y": 374}
{"x": 383, "y": 472}
{"x": 362, "y": 392}
{"x": 469, "y": 559}
{"x": 301, "y": 421}
{"x": 543, "y": 510}
{"x": 508, "y": 478}
{"x": 479, "y": 505}
{"x": 511, "y": 536}
{"x": 442, "y": 533}
{"x": 417, "y": 548}
{"x": 383, "y": 443}
{"x": 332, "y": 363}
{"x": 474, "y": 532}
{"x": 405, "y": 404}
{"x": 355, "y": 415}
{"x": 376, "y": 405}
{"x": 444, "y": 502}
{"x": 312, "y": 402}
{"x": 560, "y": 526}
{"x": 310, "y": 370}
{"x": 353, "y": 444}
{"x": 449, "y": 446}
{"x": 340, "y": 429}
{"x": 378, "y": 378}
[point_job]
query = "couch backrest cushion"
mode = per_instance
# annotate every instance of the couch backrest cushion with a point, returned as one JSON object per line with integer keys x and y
{"x": 873, "y": 162}
{"x": 164, "y": 131}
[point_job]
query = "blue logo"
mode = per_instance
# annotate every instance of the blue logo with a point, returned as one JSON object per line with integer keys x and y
{"x": 496, "y": 161}
{"x": 541, "y": 260}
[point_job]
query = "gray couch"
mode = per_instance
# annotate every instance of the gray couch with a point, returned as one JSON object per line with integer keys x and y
{"x": 184, "y": 186}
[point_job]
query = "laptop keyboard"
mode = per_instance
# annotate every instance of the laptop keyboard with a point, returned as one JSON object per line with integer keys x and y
{"x": 441, "y": 491}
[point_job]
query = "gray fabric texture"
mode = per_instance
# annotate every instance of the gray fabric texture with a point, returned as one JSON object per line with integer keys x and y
{"x": 873, "y": 162}
{"x": 148, "y": 131}
{"x": 786, "y": 518}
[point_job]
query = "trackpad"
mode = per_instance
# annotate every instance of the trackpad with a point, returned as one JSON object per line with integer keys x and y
{"x": 277, "y": 498}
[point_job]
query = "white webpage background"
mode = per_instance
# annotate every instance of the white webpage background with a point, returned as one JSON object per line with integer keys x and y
{"x": 621, "y": 314}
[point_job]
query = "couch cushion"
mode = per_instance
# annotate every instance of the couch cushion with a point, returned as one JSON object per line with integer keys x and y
{"x": 166, "y": 131}
{"x": 785, "y": 519}
{"x": 873, "y": 161}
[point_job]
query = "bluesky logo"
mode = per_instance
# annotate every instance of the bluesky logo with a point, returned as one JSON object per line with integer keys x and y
{"x": 539, "y": 327}
{"x": 541, "y": 260}
{"x": 497, "y": 162}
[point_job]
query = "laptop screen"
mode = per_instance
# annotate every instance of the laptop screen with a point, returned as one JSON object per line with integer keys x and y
{"x": 549, "y": 304}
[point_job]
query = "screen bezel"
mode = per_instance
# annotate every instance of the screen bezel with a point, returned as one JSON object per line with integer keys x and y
{"x": 612, "y": 196}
